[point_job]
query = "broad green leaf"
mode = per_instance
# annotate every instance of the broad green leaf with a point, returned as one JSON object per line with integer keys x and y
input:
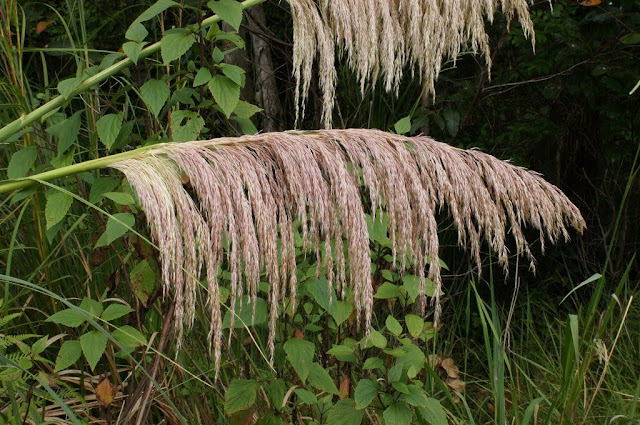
{"x": 21, "y": 162}
{"x": 129, "y": 337}
{"x": 246, "y": 110}
{"x": 345, "y": 413}
{"x": 376, "y": 339}
{"x": 155, "y": 94}
{"x": 66, "y": 131}
{"x": 229, "y": 11}
{"x": 386, "y": 291}
{"x": 231, "y": 37}
{"x": 631, "y": 38}
{"x": 320, "y": 379}
{"x": 366, "y": 391}
{"x": 108, "y": 128}
{"x": 121, "y": 198}
{"x": 433, "y": 413}
{"x": 202, "y": 77}
{"x": 101, "y": 186}
{"x": 276, "y": 390}
{"x": 225, "y": 92}
{"x": 234, "y": 72}
{"x": 403, "y": 126}
{"x": 397, "y": 413}
{"x": 373, "y": 363}
{"x": 69, "y": 353}
{"x": 246, "y": 125}
{"x": 305, "y": 396}
{"x": 400, "y": 387}
{"x": 39, "y": 346}
{"x": 92, "y": 307}
{"x": 393, "y": 325}
{"x": 143, "y": 281}
{"x": 176, "y": 43}
{"x": 58, "y": 205}
{"x": 114, "y": 311}
{"x": 319, "y": 290}
{"x": 300, "y": 355}
{"x": 68, "y": 317}
{"x": 136, "y": 32}
{"x": 415, "y": 324}
{"x": 452, "y": 120}
{"x": 413, "y": 357}
{"x": 155, "y": 9}
{"x": 343, "y": 353}
{"x": 93, "y": 345}
{"x": 132, "y": 49}
{"x": 241, "y": 395}
{"x": 244, "y": 315}
{"x": 66, "y": 87}
{"x": 416, "y": 396}
{"x": 117, "y": 226}
{"x": 190, "y": 130}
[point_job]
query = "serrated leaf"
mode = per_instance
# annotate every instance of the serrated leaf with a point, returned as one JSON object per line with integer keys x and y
{"x": 416, "y": 396}
{"x": 376, "y": 339}
{"x": 393, "y": 325}
{"x": 403, "y": 126}
{"x": 397, "y": 413}
{"x": 234, "y": 72}
{"x": 115, "y": 311}
{"x": 68, "y": 317}
{"x": 66, "y": 87}
{"x": 319, "y": 290}
{"x": 415, "y": 324}
{"x": 401, "y": 387}
{"x": 229, "y": 11}
{"x": 387, "y": 291}
{"x": 365, "y": 392}
{"x": 241, "y": 395}
{"x": 117, "y": 226}
{"x": 319, "y": 378}
{"x": 69, "y": 353}
{"x": 305, "y": 396}
{"x": 433, "y": 413}
{"x": 66, "y": 131}
{"x": 101, "y": 186}
{"x": 21, "y": 162}
{"x": 56, "y": 209}
{"x": 155, "y": 94}
{"x": 245, "y": 315}
{"x": 345, "y": 413}
{"x": 202, "y": 77}
{"x": 373, "y": 363}
{"x": 109, "y": 127}
{"x": 343, "y": 353}
{"x": 225, "y": 92}
{"x": 300, "y": 355}
{"x": 176, "y": 43}
{"x": 91, "y": 306}
{"x": 121, "y": 198}
{"x": 246, "y": 125}
{"x": 246, "y": 110}
{"x": 190, "y": 130}
{"x": 93, "y": 344}
{"x": 129, "y": 336}
{"x": 136, "y": 32}
{"x": 132, "y": 49}
{"x": 155, "y": 9}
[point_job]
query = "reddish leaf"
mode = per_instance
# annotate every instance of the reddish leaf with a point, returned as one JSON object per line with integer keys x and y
{"x": 42, "y": 26}
{"x": 344, "y": 388}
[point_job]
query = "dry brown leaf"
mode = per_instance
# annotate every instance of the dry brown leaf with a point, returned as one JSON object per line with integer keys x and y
{"x": 344, "y": 388}
{"x": 590, "y": 2}
{"x": 105, "y": 392}
{"x": 298, "y": 334}
{"x": 42, "y": 26}
{"x": 450, "y": 367}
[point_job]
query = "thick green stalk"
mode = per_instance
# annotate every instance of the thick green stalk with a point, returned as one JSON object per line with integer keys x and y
{"x": 22, "y": 122}
{"x": 94, "y": 164}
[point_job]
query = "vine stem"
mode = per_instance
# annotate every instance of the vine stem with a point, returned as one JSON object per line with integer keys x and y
{"x": 37, "y": 114}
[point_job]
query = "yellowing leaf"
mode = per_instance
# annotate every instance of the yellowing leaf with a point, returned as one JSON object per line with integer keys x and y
{"x": 105, "y": 392}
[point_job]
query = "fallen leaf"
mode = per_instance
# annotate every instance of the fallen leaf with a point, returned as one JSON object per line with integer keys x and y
{"x": 105, "y": 392}
{"x": 450, "y": 367}
{"x": 42, "y": 26}
{"x": 344, "y": 388}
